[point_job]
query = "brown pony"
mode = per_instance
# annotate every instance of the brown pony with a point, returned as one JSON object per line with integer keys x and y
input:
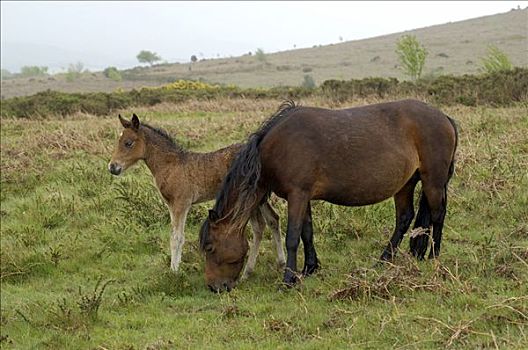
{"x": 185, "y": 178}
{"x": 353, "y": 157}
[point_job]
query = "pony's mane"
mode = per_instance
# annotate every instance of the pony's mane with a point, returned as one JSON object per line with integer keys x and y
{"x": 165, "y": 136}
{"x": 243, "y": 176}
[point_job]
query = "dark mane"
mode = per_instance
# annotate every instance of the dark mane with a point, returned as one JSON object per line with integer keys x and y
{"x": 244, "y": 174}
{"x": 165, "y": 136}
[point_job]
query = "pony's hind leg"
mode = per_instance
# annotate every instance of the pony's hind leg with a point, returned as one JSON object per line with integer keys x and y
{"x": 272, "y": 220}
{"x": 436, "y": 194}
{"x": 422, "y": 225}
{"x": 404, "y": 203}
{"x": 258, "y": 224}
{"x": 438, "y": 212}
{"x": 311, "y": 263}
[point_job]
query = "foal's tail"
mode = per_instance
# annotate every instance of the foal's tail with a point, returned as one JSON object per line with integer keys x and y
{"x": 419, "y": 240}
{"x": 242, "y": 181}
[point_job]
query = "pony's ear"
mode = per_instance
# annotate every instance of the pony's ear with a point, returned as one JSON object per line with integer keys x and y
{"x": 213, "y": 216}
{"x": 135, "y": 122}
{"x": 126, "y": 124}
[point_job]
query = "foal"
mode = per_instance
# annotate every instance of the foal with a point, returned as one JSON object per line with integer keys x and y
{"x": 185, "y": 178}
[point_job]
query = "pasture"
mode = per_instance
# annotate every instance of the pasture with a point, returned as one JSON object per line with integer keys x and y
{"x": 85, "y": 256}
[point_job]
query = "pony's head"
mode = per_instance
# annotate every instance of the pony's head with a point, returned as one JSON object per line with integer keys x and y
{"x": 225, "y": 251}
{"x": 130, "y": 147}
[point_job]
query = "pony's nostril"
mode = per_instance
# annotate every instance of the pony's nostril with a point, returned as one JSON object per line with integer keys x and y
{"x": 212, "y": 289}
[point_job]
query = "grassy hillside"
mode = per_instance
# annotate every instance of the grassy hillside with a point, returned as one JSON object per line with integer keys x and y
{"x": 455, "y": 48}
{"x": 85, "y": 260}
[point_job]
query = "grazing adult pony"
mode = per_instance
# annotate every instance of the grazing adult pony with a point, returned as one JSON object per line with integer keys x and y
{"x": 353, "y": 157}
{"x": 185, "y": 178}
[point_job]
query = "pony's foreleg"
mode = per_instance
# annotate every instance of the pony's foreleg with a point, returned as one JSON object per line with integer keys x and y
{"x": 178, "y": 217}
{"x": 311, "y": 263}
{"x": 272, "y": 220}
{"x": 297, "y": 203}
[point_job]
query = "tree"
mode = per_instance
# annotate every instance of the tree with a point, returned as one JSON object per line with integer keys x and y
{"x": 112, "y": 73}
{"x": 6, "y": 74}
{"x": 496, "y": 61}
{"x": 32, "y": 71}
{"x": 149, "y": 57}
{"x": 193, "y": 60}
{"x": 411, "y": 55}
{"x": 308, "y": 82}
{"x": 74, "y": 71}
{"x": 260, "y": 55}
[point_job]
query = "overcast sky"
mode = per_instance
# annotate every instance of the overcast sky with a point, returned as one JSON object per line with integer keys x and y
{"x": 112, "y": 33}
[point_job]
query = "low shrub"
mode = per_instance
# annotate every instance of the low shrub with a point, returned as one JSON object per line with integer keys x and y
{"x": 496, "y": 89}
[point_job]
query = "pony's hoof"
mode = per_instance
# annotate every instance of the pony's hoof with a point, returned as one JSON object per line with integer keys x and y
{"x": 386, "y": 256}
{"x": 290, "y": 278}
{"x": 310, "y": 269}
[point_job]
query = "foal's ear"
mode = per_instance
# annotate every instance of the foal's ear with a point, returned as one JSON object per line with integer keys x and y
{"x": 135, "y": 122}
{"x": 213, "y": 216}
{"x": 126, "y": 124}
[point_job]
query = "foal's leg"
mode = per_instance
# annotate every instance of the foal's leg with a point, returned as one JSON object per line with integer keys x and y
{"x": 297, "y": 203}
{"x": 258, "y": 224}
{"x": 311, "y": 263}
{"x": 272, "y": 220}
{"x": 178, "y": 217}
{"x": 404, "y": 204}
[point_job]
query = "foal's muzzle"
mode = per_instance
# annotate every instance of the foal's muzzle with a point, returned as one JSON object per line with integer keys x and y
{"x": 115, "y": 169}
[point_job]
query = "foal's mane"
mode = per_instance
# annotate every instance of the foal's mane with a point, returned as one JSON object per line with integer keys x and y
{"x": 242, "y": 179}
{"x": 165, "y": 136}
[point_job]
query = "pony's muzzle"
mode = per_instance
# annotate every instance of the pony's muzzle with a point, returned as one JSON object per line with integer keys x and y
{"x": 224, "y": 287}
{"x": 115, "y": 169}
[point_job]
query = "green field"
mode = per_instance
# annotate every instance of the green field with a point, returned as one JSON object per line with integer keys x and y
{"x": 85, "y": 256}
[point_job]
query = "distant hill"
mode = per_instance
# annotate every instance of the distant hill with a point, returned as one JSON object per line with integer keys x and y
{"x": 454, "y": 48}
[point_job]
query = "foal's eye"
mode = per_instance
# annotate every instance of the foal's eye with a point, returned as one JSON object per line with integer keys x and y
{"x": 129, "y": 143}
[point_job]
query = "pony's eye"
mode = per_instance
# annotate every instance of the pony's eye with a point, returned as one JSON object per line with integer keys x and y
{"x": 209, "y": 248}
{"x": 129, "y": 143}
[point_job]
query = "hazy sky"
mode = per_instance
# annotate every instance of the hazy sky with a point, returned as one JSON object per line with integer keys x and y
{"x": 112, "y": 33}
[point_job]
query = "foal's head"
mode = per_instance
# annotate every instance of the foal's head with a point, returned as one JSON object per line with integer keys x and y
{"x": 130, "y": 147}
{"x": 225, "y": 252}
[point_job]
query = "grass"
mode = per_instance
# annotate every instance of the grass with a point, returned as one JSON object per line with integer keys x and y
{"x": 85, "y": 256}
